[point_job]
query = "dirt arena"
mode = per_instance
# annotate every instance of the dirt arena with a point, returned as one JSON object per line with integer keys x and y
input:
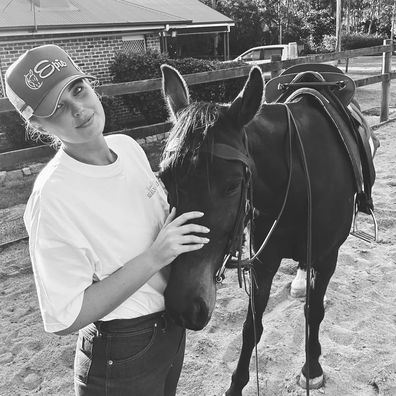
{"x": 358, "y": 334}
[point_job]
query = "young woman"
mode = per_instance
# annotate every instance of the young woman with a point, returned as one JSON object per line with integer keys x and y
{"x": 100, "y": 238}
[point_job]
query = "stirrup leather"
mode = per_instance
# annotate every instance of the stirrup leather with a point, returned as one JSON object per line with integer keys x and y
{"x": 365, "y": 236}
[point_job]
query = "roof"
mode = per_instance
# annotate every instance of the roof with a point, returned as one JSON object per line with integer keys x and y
{"x": 85, "y": 15}
{"x": 199, "y": 12}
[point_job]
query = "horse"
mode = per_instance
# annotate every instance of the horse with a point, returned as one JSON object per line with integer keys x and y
{"x": 292, "y": 158}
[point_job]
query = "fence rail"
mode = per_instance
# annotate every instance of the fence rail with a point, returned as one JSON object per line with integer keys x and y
{"x": 274, "y": 68}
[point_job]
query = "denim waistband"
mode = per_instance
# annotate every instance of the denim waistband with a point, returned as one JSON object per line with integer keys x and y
{"x": 126, "y": 325}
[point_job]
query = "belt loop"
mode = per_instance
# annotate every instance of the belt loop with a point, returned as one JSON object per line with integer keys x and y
{"x": 98, "y": 326}
{"x": 165, "y": 322}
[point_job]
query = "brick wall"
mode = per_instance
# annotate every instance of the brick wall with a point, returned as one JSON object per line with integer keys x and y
{"x": 93, "y": 54}
{"x": 153, "y": 42}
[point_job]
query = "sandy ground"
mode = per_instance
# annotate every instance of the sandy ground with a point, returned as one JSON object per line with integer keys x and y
{"x": 358, "y": 334}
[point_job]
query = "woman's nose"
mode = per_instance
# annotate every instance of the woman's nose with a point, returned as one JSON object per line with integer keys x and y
{"x": 78, "y": 110}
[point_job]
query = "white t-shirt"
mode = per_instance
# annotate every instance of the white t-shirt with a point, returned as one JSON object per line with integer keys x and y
{"x": 85, "y": 222}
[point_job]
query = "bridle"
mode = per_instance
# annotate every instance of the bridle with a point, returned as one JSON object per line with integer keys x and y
{"x": 245, "y": 212}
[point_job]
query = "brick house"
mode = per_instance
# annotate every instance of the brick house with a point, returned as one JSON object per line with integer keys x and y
{"x": 92, "y": 31}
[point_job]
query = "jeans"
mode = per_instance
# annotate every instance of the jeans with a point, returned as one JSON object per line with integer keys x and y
{"x": 129, "y": 357}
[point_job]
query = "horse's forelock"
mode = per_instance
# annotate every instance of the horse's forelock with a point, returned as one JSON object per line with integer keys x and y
{"x": 189, "y": 132}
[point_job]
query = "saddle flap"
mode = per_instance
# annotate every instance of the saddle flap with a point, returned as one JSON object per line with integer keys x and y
{"x": 341, "y": 85}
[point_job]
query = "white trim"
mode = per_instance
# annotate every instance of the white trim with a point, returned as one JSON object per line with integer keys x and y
{"x": 200, "y": 25}
{"x": 38, "y": 39}
{"x": 131, "y": 37}
{"x": 82, "y": 30}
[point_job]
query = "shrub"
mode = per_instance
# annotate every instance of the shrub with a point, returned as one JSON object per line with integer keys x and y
{"x": 134, "y": 67}
{"x": 360, "y": 40}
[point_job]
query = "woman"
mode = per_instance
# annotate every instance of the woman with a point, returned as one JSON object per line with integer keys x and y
{"x": 99, "y": 237}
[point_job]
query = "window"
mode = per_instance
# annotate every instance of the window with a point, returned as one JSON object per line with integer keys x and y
{"x": 252, "y": 56}
{"x": 272, "y": 51}
{"x": 133, "y": 44}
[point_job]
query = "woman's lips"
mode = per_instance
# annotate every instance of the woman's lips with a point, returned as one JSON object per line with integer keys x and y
{"x": 86, "y": 122}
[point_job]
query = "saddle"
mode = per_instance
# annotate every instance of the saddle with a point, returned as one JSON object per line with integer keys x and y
{"x": 334, "y": 92}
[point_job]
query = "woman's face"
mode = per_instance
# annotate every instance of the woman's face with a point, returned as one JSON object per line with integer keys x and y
{"x": 79, "y": 116}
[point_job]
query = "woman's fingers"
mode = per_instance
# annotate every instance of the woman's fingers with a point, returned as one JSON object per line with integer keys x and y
{"x": 170, "y": 217}
{"x": 186, "y": 217}
{"x": 193, "y": 239}
{"x": 189, "y": 228}
{"x": 191, "y": 248}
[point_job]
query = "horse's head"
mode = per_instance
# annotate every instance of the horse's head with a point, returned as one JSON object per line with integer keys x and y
{"x": 204, "y": 168}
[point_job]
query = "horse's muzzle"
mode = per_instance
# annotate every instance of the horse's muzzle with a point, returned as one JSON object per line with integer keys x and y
{"x": 195, "y": 317}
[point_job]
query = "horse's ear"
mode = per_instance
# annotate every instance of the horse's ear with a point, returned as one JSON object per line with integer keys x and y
{"x": 246, "y": 105}
{"x": 174, "y": 89}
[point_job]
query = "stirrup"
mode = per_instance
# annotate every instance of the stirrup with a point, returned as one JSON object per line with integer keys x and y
{"x": 362, "y": 234}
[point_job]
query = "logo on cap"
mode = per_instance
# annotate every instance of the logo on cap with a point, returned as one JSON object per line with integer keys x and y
{"x": 42, "y": 70}
{"x": 32, "y": 81}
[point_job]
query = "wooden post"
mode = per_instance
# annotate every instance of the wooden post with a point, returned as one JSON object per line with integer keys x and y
{"x": 276, "y": 58}
{"x": 226, "y": 45}
{"x": 386, "y": 68}
{"x": 338, "y": 28}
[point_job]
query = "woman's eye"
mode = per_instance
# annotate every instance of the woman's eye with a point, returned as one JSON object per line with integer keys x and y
{"x": 78, "y": 89}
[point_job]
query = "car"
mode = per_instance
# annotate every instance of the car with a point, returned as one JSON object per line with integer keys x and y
{"x": 260, "y": 55}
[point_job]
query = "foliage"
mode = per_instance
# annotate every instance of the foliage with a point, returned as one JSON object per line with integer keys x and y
{"x": 329, "y": 43}
{"x": 308, "y": 22}
{"x": 258, "y": 22}
{"x": 320, "y": 23}
{"x": 360, "y": 40}
{"x": 133, "y": 67}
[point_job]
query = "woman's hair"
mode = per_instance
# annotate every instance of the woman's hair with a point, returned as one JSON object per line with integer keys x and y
{"x": 40, "y": 135}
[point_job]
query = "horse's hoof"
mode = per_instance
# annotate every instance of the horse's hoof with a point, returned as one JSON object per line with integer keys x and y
{"x": 314, "y": 383}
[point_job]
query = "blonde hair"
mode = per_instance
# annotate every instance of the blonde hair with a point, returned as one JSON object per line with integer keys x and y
{"x": 40, "y": 135}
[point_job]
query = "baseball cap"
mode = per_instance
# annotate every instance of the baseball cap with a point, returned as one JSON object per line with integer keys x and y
{"x": 35, "y": 82}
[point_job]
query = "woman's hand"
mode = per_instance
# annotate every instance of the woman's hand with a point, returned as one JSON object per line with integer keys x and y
{"x": 176, "y": 237}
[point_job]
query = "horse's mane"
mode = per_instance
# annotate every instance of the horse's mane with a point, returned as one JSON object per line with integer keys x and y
{"x": 189, "y": 132}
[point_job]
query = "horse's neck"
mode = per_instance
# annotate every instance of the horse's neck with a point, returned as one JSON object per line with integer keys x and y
{"x": 268, "y": 146}
{"x": 268, "y": 139}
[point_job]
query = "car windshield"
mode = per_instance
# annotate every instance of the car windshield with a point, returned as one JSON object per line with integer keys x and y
{"x": 262, "y": 54}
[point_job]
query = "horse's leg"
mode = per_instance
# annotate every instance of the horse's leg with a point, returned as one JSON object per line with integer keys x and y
{"x": 324, "y": 270}
{"x": 264, "y": 277}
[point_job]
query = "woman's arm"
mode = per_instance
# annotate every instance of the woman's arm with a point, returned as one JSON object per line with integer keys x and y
{"x": 104, "y": 296}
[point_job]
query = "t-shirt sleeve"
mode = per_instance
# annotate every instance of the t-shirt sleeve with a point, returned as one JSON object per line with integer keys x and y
{"x": 62, "y": 265}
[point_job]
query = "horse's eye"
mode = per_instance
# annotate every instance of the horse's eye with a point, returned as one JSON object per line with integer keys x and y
{"x": 232, "y": 188}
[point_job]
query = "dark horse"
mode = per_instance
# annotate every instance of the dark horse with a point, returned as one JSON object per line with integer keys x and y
{"x": 198, "y": 178}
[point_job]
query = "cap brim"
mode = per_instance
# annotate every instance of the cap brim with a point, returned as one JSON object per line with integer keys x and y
{"x": 48, "y": 105}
